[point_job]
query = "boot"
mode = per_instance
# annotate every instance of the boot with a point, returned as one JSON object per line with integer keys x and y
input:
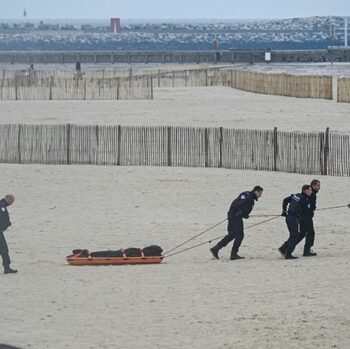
{"x": 282, "y": 250}
{"x": 235, "y": 256}
{"x": 8, "y": 270}
{"x": 215, "y": 251}
{"x": 290, "y": 256}
{"x": 309, "y": 253}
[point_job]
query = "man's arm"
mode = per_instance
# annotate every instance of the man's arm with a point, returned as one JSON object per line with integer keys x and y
{"x": 245, "y": 205}
{"x": 4, "y": 219}
{"x": 285, "y": 203}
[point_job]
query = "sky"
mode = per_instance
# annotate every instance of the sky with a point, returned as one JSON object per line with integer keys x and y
{"x": 174, "y": 9}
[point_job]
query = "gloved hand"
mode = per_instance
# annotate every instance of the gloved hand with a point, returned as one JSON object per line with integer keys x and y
{"x": 284, "y": 214}
{"x": 246, "y": 216}
{"x": 349, "y": 205}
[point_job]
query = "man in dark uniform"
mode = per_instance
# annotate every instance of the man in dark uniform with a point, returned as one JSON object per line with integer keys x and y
{"x": 307, "y": 230}
{"x": 78, "y": 66}
{"x": 240, "y": 208}
{"x": 8, "y": 200}
{"x": 298, "y": 206}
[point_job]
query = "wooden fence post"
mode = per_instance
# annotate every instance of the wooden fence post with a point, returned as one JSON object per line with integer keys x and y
{"x": 321, "y": 139}
{"x": 119, "y": 144}
{"x": 84, "y": 96}
{"x": 19, "y": 143}
{"x": 206, "y": 147}
{"x": 16, "y": 90}
{"x": 326, "y": 152}
{"x": 275, "y": 149}
{"x": 68, "y": 144}
{"x": 97, "y": 144}
{"x": 130, "y": 77}
{"x": 51, "y": 83}
{"x": 169, "y": 146}
{"x": 220, "y": 147}
{"x": 151, "y": 87}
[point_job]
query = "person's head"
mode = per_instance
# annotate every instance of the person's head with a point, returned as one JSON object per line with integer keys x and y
{"x": 315, "y": 185}
{"x": 10, "y": 199}
{"x": 306, "y": 189}
{"x": 257, "y": 190}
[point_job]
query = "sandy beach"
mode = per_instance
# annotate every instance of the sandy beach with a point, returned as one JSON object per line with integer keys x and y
{"x": 196, "y": 106}
{"x": 190, "y": 301}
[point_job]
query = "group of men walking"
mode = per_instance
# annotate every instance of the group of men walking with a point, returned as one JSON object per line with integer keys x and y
{"x": 297, "y": 208}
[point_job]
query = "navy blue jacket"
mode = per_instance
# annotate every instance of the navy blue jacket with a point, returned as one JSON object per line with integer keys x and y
{"x": 4, "y": 215}
{"x": 311, "y": 210}
{"x": 298, "y": 205}
{"x": 242, "y": 205}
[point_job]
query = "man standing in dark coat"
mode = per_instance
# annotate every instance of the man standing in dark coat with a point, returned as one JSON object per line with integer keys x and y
{"x": 8, "y": 200}
{"x": 298, "y": 206}
{"x": 307, "y": 230}
{"x": 240, "y": 208}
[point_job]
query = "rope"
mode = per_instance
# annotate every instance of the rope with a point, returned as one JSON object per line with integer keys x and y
{"x": 332, "y": 207}
{"x": 220, "y": 237}
{"x": 195, "y": 237}
{"x": 264, "y": 215}
{"x": 319, "y": 209}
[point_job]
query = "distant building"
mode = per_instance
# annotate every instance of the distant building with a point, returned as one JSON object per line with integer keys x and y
{"x": 115, "y": 25}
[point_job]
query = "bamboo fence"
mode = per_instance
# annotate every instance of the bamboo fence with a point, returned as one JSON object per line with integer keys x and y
{"x": 323, "y": 153}
{"x": 75, "y": 88}
{"x": 343, "y": 91}
{"x": 304, "y": 86}
{"x": 131, "y": 84}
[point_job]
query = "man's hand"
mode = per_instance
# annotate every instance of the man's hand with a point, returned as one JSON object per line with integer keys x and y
{"x": 284, "y": 214}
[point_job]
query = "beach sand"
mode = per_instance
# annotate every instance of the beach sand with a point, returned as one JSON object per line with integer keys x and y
{"x": 190, "y": 301}
{"x": 196, "y": 106}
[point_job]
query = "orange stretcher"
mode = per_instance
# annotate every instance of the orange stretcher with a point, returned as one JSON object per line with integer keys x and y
{"x": 80, "y": 261}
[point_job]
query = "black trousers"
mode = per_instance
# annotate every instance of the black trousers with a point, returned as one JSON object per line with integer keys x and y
{"x": 235, "y": 230}
{"x": 4, "y": 251}
{"x": 307, "y": 231}
{"x": 294, "y": 233}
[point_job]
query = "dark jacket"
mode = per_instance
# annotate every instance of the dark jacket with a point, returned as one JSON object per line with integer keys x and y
{"x": 4, "y": 215}
{"x": 298, "y": 205}
{"x": 242, "y": 205}
{"x": 311, "y": 210}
